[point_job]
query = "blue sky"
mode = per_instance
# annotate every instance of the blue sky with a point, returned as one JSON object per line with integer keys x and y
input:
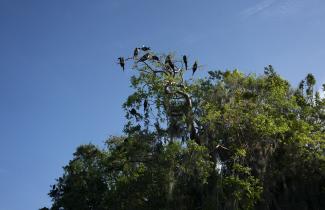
{"x": 60, "y": 86}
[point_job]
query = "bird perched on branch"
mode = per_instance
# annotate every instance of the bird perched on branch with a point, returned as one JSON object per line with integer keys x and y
{"x": 135, "y": 113}
{"x": 136, "y": 52}
{"x": 121, "y": 62}
{"x": 169, "y": 62}
{"x": 185, "y": 61}
{"x": 144, "y": 57}
{"x": 194, "y": 68}
{"x": 145, "y": 105}
{"x": 144, "y": 48}
{"x": 155, "y": 58}
{"x": 168, "y": 59}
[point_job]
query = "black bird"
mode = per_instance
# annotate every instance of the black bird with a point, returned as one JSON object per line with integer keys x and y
{"x": 185, "y": 61}
{"x": 144, "y": 48}
{"x": 169, "y": 62}
{"x": 136, "y": 52}
{"x": 168, "y": 58}
{"x": 194, "y": 68}
{"x": 121, "y": 62}
{"x": 145, "y": 105}
{"x": 144, "y": 57}
{"x": 193, "y": 135}
{"x": 53, "y": 187}
{"x": 155, "y": 58}
{"x": 135, "y": 113}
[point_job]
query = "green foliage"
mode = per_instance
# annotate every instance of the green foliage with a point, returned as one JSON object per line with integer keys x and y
{"x": 258, "y": 143}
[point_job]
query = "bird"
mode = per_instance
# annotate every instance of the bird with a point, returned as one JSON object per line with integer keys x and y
{"x": 194, "y": 68}
{"x": 144, "y": 48}
{"x": 145, "y": 105}
{"x": 53, "y": 187}
{"x": 135, "y": 113}
{"x": 144, "y": 57}
{"x": 169, "y": 62}
{"x": 136, "y": 52}
{"x": 168, "y": 58}
{"x": 185, "y": 61}
{"x": 155, "y": 58}
{"x": 121, "y": 62}
{"x": 193, "y": 135}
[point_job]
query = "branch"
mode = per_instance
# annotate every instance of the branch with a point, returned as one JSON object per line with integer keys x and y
{"x": 154, "y": 71}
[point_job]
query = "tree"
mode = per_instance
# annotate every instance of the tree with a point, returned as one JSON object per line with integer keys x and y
{"x": 227, "y": 141}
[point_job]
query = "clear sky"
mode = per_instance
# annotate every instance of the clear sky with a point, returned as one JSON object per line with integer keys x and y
{"x": 60, "y": 86}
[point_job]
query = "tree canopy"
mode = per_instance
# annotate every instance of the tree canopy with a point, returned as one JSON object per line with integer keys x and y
{"x": 226, "y": 141}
